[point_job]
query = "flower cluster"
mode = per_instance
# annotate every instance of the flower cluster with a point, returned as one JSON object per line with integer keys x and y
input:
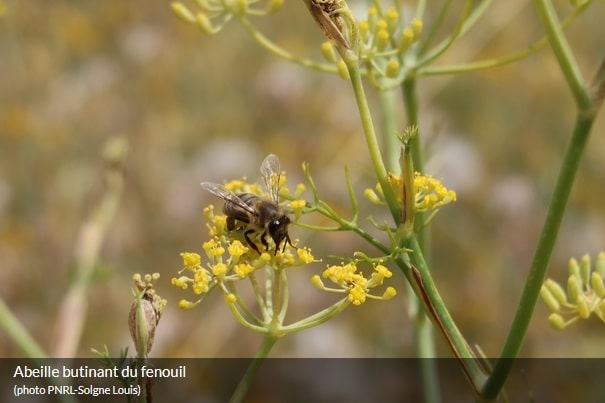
{"x": 215, "y": 14}
{"x": 585, "y": 293}
{"x": 354, "y": 283}
{"x": 228, "y": 258}
{"x": 430, "y": 194}
{"x": 228, "y": 261}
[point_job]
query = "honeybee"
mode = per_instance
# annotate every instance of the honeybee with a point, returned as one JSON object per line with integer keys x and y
{"x": 256, "y": 215}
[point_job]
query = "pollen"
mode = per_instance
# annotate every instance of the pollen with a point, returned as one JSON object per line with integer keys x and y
{"x": 430, "y": 193}
{"x": 354, "y": 284}
{"x": 297, "y": 206}
{"x": 181, "y": 282}
{"x": 219, "y": 270}
{"x": 383, "y": 271}
{"x": 305, "y": 256}
{"x": 237, "y": 249}
{"x": 284, "y": 259}
{"x": 262, "y": 260}
{"x": 191, "y": 260}
{"x": 243, "y": 269}
{"x": 379, "y": 274}
{"x": 213, "y": 249}
{"x": 357, "y": 295}
{"x": 218, "y": 225}
{"x": 200, "y": 281}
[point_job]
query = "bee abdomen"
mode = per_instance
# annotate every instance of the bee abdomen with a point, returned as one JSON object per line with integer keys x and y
{"x": 231, "y": 209}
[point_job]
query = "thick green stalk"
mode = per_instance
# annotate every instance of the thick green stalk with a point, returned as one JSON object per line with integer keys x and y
{"x": 541, "y": 258}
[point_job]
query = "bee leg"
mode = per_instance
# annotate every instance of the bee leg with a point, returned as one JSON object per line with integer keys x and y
{"x": 288, "y": 241}
{"x": 249, "y": 241}
{"x": 263, "y": 240}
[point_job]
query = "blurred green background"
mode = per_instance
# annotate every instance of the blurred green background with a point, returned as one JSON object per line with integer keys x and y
{"x": 194, "y": 108}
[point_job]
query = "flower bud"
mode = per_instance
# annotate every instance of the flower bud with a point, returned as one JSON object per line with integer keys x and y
{"x": 372, "y": 17}
{"x": 549, "y": 299}
{"x": 327, "y": 50}
{"x": 230, "y": 298}
{"x": 407, "y": 37}
{"x": 556, "y": 321}
{"x": 274, "y": 5}
{"x": 184, "y": 304}
{"x": 204, "y": 23}
{"x": 573, "y": 289}
{"x": 585, "y": 269}
{"x": 582, "y": 308}
{"x": 392, "y": 17}
{"x": 574, "y": 270}
{"x": 392, "y": 68}
{"x": 182, "y": 12}
{"x": 316, "y": 281}
{"x": 557, "y": 291}
{"x": 241, "y": 7}
{"x": 596, "y": 281}
{"x": 382, "y": 39}
{"x": 372, "y": 196}
{"x": 364, "y": 30}
{"x": 417, "y": 27}
{"x": 343, "y": 72}
{"x": 389, "y": 293}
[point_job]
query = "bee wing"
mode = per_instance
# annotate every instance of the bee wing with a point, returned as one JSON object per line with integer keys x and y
{"x": 223, "y": 193}
{"x": 270, "y": 169}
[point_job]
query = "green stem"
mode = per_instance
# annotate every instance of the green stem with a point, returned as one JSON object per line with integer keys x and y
{"x": 244, "y": 384}
{"x": 541, "y": 258}
{"x": 371, "y": 140}
{"x": 282, "y": 53}
{"x": 427, "y": 292}
{"x": 317, "y": 318}
{"x": 563, "y": 53}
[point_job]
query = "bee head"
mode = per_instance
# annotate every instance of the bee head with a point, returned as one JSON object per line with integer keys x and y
{"x": 278, "y": 230}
